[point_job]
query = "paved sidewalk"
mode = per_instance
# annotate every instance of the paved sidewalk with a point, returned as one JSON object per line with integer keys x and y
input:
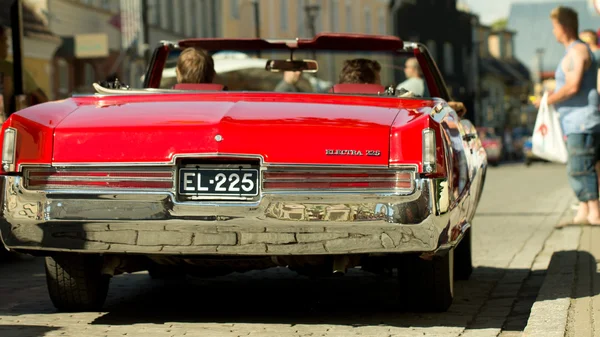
{"x": 568, "y": 304}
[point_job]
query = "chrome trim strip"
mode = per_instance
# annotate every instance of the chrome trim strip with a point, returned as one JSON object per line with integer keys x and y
{"x": 118, "y": 223}
{"x": 100, "y": 179}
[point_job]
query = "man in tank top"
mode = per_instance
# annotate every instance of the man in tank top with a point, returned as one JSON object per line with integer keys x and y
{"x": 576, "y": 100}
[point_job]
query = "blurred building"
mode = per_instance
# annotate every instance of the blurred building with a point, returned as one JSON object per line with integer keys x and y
{"x": 39, "y": 44}
{"x": 504, "y": 81}
{"x": 304, "y": 18}
{"x": 449, "y": 41}
{"x": 90, "y": 42}
{"x": 535, "y": 44}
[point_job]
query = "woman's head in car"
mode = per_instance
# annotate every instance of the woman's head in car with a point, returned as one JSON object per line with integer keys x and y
{"x": 360, "y": 71}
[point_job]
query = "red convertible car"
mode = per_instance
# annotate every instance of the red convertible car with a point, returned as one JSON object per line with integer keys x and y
{"x": 200, "y": 180}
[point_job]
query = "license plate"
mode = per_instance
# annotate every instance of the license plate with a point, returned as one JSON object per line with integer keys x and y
{"x": 231, "y": 182}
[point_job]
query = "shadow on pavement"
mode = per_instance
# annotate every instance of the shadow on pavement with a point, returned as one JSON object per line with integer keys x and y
{"x": 358, "y": 299}
{"x": 25, "y": 330}
{"x": 493, "y": 298}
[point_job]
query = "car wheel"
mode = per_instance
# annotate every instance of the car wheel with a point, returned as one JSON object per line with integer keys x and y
{"x": 75, "y": 282}
{"x": 427, "y": 285}
{"x": 463, "y": 263}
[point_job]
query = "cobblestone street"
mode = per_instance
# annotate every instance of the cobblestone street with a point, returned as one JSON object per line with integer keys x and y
{"x": 519, "y": 208}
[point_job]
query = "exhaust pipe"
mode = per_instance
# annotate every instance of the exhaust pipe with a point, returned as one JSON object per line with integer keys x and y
{"x": 340, "y": 265}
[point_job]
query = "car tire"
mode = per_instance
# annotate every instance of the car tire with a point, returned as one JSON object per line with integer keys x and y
{"x": 463, "y": 262}
{"x": 75, "y": 282}
{"x": 427, "y": 285}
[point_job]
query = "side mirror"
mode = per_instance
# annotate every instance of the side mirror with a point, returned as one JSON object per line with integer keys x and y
{"x": 307, "y": 66}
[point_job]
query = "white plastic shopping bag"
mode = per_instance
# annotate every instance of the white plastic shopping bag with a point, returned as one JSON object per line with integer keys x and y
{"x": 547, "y": 140}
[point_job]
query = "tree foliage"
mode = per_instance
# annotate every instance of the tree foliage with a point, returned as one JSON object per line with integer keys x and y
{"x": 500, "y": 24}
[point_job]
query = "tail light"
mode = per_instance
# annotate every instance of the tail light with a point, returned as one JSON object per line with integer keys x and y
{"x": 389, "y": 181}
{"x": 429, "y": 150}
{"x": 52, "y": 179}
{"x": 9, "y": 144}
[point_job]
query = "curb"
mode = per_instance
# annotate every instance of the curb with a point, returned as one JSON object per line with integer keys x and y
{"x": 549, "y": 313}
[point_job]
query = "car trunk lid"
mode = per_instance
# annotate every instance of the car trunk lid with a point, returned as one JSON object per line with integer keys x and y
{"x": 292, "y": 131}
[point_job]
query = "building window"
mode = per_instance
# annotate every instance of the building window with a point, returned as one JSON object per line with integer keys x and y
{"x": 368, "y": 23}
{"x": 190, "y": 9}
{"x": 62, "y": 68}
{"x": 335, "y": 15}
{"x": 319, "y": 21}
{"x": 163, "y": 8}
{"x": 170, "y": 19}
{"x": 431, "y": 46}
{"x": 235, "y": 9}
{"x": 301, "y": 17}
{"x": 283, "y": 15}
{"x": 180, "y": 16}
{"x": 448, "y": 58}
{"x": 349, "y": 21}
{"x": 153, "y": 13}
{"x": 200, "y": 12}
{"x": 381, "y": 21}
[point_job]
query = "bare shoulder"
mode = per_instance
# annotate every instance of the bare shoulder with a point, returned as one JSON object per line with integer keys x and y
{"x": 580, "y": 50}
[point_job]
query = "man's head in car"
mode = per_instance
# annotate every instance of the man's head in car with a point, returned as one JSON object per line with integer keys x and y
{"x": 195, "y": 65}
{"x": 360, "y": 71}
{"x": 412, "y": 69}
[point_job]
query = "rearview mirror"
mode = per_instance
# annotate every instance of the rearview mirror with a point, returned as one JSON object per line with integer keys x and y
{"x": 307, "y": 66}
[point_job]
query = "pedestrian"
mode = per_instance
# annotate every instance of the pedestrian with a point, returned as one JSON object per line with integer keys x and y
{"x": 508, "y": 144}
{"x": 591, "y": 39}
{"x": 576, "y": 100}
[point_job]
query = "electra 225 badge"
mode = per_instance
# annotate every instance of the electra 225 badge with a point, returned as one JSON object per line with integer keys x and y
{"x": 372, "y": 153}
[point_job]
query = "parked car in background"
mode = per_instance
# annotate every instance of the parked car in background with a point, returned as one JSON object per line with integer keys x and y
{"x": 492, "y": 143}
{"x": 192, "y": 179}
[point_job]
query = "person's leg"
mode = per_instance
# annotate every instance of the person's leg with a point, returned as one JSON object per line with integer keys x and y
{"x": 598, "y": 172}
{"x": 583, "y": 178}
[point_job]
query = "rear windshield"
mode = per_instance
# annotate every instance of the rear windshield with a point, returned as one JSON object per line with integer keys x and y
{"x": 245, "y": 71}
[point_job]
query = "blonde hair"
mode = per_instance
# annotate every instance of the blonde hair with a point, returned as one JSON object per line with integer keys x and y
{"x": 566, "y": 17}
{"x": 195, "y": 65}
{"x": 589, "y": 36}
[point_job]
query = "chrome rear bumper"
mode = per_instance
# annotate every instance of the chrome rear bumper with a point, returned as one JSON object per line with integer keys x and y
{"x": 278, "y": 224}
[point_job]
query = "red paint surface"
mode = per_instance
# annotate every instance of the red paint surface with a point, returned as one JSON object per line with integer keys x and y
{"x": 283, "y": 128}
{"x": 34, "y": 130}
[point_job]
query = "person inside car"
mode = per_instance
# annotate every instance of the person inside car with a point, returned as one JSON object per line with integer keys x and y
{"x": 289, "y": 83}
{"x": 368, "y": 72}
{"x": 360, "y": 71}
{"x": 414, "y": 78}
{"x": 195, "y": 65}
